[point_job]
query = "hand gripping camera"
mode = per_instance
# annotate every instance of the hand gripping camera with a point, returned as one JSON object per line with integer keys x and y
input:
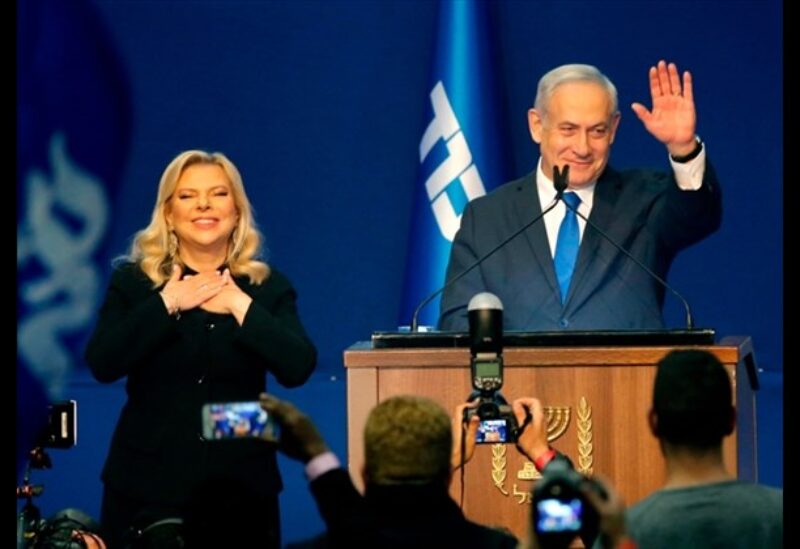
{"x": 560, "y": 510}
{"x": 497, "y": 421}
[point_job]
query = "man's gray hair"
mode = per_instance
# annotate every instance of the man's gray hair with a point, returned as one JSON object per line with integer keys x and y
{"x": 571, "y": 73}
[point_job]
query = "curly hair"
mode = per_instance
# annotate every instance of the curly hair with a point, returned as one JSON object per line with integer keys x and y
{"x": 407, "y": 440}
{"x": 151, "y": 248}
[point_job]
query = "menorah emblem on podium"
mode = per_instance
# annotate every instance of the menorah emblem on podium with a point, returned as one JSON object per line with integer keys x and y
{"x": 557, "y": 420}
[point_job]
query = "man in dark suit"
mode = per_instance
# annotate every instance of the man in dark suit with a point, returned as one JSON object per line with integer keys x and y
{"x": 651, "y": 214}
{"x": 409, "y": 457}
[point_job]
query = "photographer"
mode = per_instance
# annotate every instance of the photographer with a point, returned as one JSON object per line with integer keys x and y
{"x": 408, "y": 446}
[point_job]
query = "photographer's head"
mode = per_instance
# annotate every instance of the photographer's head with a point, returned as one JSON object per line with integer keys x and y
{"x": 692, "y": 402}
{"x": 407, "y": 440}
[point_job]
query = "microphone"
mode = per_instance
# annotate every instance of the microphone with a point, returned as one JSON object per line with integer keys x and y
{"x": 415, "y": 318}
{"x": 561, "y": 182}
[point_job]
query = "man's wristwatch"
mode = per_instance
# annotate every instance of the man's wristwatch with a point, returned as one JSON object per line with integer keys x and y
{"x": 698, "y": 147}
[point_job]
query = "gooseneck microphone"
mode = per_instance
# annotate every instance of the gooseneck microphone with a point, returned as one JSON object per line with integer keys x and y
{"x": 561, "y": 182}
{"x": 415, "y": 318}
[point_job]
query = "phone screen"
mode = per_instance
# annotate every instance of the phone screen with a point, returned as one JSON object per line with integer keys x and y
{"x": 555, "y": 515}
{"x": 492, "y": 431}
{"x": 231, "y": 420}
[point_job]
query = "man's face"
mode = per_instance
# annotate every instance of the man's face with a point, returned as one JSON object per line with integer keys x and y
{"x": 577, "y": 129}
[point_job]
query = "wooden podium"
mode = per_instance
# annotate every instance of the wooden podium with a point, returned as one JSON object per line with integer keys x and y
{"x": 596, "y": 400}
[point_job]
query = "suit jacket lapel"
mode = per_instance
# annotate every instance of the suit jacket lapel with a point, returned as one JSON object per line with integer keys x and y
{"x": 605, "y": 197}
{"x": 526, "y": 209}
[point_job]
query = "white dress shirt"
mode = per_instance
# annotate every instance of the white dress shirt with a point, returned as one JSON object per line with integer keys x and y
{"x": 689, "y": 176}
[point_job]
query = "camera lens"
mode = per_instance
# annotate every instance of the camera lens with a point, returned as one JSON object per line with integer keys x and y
{"x": 488, "y": 410}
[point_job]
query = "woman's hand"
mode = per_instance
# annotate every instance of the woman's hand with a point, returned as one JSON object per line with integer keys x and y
{"x": 230, "y": 299}
{"x": 187, "y": 293}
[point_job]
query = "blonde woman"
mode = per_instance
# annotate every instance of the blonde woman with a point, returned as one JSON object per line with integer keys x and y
{"x": 192, "y": 316}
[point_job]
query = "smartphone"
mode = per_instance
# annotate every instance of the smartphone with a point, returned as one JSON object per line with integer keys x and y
{"x": 492, "y": 431}
{"x": 61, "y": 430}
{"x": 555, "y": 515}
{"x": 232, "y": 420}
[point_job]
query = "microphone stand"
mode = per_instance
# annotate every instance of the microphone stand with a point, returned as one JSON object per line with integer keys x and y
{"x": 415, "y": 318}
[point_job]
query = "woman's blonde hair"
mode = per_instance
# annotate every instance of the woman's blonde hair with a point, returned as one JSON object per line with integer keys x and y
{"x": 155, "y": 248}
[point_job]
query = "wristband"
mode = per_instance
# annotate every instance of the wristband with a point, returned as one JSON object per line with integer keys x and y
{"x": 542, "y": 461}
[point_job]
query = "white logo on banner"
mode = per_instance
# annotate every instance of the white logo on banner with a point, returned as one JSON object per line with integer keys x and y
{"x": 457, "y": 167}
{"x": 63, "y": 299}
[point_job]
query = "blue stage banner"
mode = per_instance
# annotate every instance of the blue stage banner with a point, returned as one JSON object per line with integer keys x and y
{"x": 461, "y": 152}
{"x": 73, "y": 132}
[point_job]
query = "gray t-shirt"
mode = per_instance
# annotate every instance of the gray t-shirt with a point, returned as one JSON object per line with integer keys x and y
{"x": 724, "y": 514}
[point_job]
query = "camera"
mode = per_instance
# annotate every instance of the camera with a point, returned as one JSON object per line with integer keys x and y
{"x": 61, "y": 430}
{"x": 232, "y": 420}
{"x": 69, "y": 528}
{"x": 497, "y": 422}
{"x": 560, "y": 510}
{"x": 498, "y": 425}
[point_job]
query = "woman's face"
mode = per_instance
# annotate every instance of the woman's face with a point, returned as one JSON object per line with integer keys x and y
{"x": 201, "y": 210}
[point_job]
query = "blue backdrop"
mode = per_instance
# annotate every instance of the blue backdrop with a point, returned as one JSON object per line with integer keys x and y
{"x": 322, "y": 104}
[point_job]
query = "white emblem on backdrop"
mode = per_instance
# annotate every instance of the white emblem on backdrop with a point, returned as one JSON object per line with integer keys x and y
{"x": 457, "y": 166}
{"x": 62, "y": 300}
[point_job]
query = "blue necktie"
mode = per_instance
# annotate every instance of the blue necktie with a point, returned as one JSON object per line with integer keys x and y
{"x": 569, "y": 239}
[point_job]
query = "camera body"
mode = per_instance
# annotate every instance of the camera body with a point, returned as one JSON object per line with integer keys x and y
{"x": 498, "y": 425}
{"x": 560, "y": 510}
{"x": 61, "y": 430}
